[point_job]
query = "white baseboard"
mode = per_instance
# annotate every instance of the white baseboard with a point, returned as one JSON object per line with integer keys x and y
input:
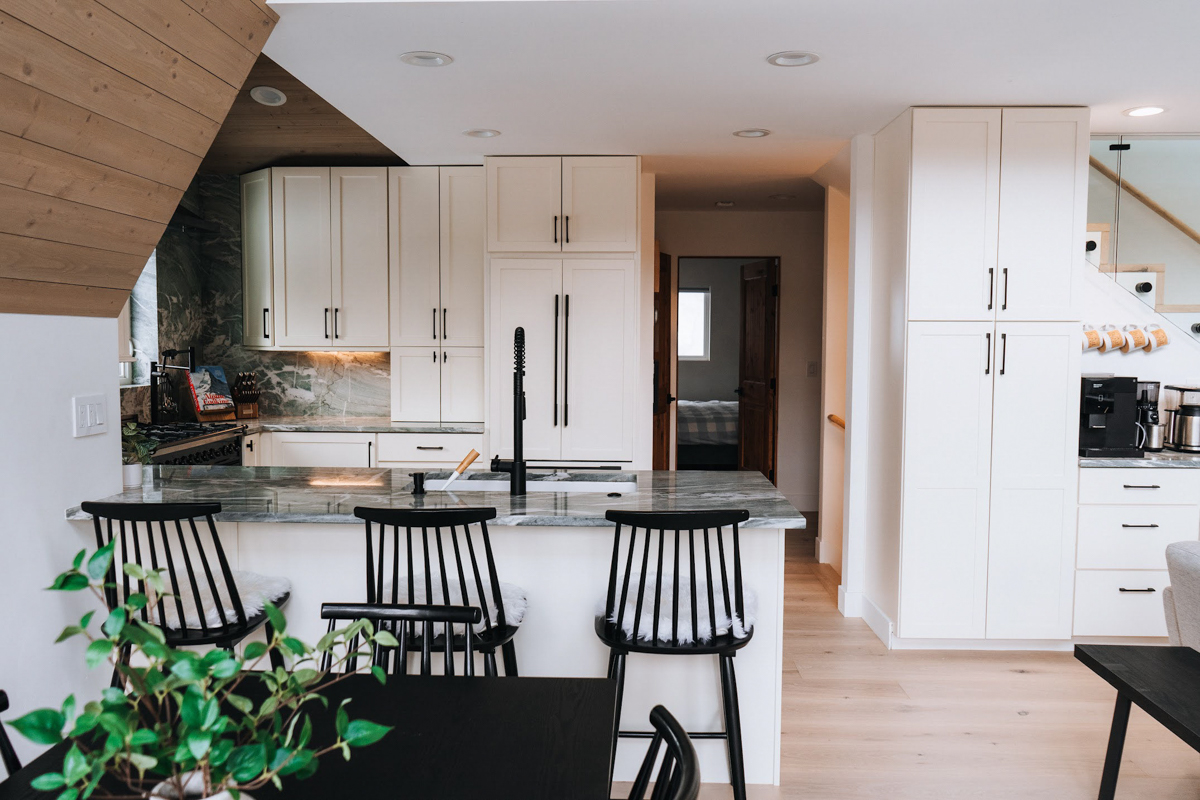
{"x": 849, "y": 603}
{"x": 877, "y": 621}
{"x": 1045, "y": 645}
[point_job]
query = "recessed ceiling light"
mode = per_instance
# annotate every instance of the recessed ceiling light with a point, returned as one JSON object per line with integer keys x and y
{"x": 752, "y": 133}
{"x": 793, "y": 58}
{"x": 426, "y": 58}
{"x": 724, "y": 204}
{"x": 268, "y": 95}
{"x": 782, "y": 197}
{"x": 481, "y": 133}
{"x": 1144, "y": 111}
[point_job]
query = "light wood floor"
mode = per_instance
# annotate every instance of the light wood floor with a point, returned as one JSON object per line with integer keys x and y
{"x": 860, "y": 721}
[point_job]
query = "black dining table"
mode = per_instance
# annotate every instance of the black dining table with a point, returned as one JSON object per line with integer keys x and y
{"x": 453, "y": 738}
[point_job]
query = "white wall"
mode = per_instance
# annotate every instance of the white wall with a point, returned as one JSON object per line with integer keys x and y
{"x": 833, "y": 374}
{"x": 796, "y": 238}
{"x": 44, "y": 470}
{"x": 716, "y": 378}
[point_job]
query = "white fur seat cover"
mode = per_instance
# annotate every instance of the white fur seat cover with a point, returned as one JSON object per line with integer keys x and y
{"x": 741, "y": 627}
{"x": 514, "y": 598}
{"x": 254, "y": 590}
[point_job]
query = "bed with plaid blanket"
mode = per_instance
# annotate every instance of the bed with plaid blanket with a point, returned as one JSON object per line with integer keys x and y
{"x": 708, "y": 422}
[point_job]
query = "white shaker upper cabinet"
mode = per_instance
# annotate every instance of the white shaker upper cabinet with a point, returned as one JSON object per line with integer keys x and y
{"x": 1043, "y": 211}
{"x": 1034, "y": 476}
{"x": 599, "y": 376}
{"x": 415, "y": 384}
{"x": 524, "y": 204}
{"x": 955, "y": 191}
{"x": 599, "y": 204}
{"x": 359, "y": 229}
{"x": 257, "y": 309}
{"x": 463, "y": 232}
{"x": 947, "y": 433}
{"x": 302, "y": 259}
{"x": 414, "y": 246}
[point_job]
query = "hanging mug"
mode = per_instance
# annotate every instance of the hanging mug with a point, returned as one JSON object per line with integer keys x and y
{"x": 1111, "y": 338}
{"x": 1156, "y": 337}
{"x": 1135, "y": 338}
{"x": 1091, "y": 337}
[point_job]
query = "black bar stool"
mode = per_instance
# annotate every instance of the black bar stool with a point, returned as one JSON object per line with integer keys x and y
{"x": 212, "y": 604}
{"x": 436, "y": 557}
{"x": 7, "y": 754}
{"x": 697, "y": 606}
{"x": 401, "y": 621}
{"x": 679, "y": 775}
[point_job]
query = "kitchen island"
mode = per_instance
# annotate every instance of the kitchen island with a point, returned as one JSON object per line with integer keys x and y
{"x": 555, "y": 544}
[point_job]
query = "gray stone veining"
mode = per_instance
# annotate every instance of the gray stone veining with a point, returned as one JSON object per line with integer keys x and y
{"x": 351, "y": 425}
{"x": 1164, "y": 460}
{"x": 302, "y": 494}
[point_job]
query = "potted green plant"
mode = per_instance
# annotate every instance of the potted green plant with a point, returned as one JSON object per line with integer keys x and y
{"x": 136, "y": 450}
{"x": 183, "y": 725}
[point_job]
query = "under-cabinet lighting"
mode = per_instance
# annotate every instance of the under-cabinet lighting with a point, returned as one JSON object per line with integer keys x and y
{"x": 377, "y": 481}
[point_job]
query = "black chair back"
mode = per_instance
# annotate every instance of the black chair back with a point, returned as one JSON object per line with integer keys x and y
{"x": 165, "y": 536}
{"x": 7, "y": 754}
{"x": 679, "y": 775}
{"x": 644, "y": 542}
{"x": 415, "y": 554}
{"x": 402, "y": 621}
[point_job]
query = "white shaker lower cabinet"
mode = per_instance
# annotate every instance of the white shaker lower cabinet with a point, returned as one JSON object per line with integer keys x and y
{"x": 948, "y": 430}
{"x": 1031, "y": 546}
{"x": 462, "y": 384}
{"x": 296, "y": 449}
{"x": 252, "y": 455}
{"x": 416, "y": 384}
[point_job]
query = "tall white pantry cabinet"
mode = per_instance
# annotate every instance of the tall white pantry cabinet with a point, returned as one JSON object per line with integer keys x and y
{"x": 981, "y": 214}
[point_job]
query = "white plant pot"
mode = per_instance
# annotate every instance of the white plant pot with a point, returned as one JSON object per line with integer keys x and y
{"x": 131, "y": 475}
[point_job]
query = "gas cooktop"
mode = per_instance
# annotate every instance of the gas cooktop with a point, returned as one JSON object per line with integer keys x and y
{"x": 196, "y": 442}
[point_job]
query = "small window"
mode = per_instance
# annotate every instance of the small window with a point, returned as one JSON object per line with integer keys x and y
{"x": 695, "y": 311}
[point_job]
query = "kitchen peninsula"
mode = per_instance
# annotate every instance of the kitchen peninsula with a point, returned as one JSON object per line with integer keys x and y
{"x": 298, "y": 522}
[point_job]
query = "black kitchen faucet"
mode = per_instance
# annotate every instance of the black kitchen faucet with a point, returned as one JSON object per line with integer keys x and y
{"x": 516, "y": 467}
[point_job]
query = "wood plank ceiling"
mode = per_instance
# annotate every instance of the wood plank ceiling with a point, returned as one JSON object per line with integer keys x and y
{"x": 304, "y": 131}
{"x": 107, "y": 108}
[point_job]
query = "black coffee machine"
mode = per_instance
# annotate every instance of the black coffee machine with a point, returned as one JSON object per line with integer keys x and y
{"x": 1108, "y": 418}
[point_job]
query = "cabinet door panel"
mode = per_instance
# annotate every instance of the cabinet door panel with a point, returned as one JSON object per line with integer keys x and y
{"x": 257, "y": 309}
{"x": 947, "y": 431}
{"x": 1043, "y": 207}
{"x": 322, "y": 449}
{"x": 416, "y": 384}
{"x": 1034, "y": 477}
{"x": 359, "y": 231}
{"x": 524, "y": 199}
{"x": 954, "y": 212}
{"x": 462, "y": 384}
{"x": 302, "y": 259}
{"x": 463, "y": 231}
{"x": 599, "y": 357}
{"x": 413, "y": 255}
{"x": 599, "y": 204}
{"x": 524, "y": 293}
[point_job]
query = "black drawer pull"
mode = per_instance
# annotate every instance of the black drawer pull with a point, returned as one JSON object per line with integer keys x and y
{"x": 422, "y": 447}
{"x": 1142, "y": 486}
{"x": 1151, "y": 525}
{"x": 1136, "y": 591}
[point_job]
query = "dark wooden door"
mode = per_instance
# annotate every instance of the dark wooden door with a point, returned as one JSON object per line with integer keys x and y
{"x": 759, "y": 367}
{"x": 664, "y": 334}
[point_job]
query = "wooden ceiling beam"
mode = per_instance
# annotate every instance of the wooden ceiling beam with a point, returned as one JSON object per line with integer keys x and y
{"x": 248, "y": 22}
{"x": 35, "y": 297}
{"x": 40, "y": 217}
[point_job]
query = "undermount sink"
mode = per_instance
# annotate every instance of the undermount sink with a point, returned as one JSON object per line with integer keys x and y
{"x": 595, "y": 482}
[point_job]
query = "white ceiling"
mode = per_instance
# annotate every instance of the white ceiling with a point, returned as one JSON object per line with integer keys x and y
{"x": 672, "y": 79}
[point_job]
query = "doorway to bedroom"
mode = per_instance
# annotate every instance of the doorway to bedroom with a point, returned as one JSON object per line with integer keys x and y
{"x": 726, "y": 315}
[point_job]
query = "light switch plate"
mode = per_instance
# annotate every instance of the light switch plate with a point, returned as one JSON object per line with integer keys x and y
{"x": 89, "y": 415}
{"x": 813, "y": 370}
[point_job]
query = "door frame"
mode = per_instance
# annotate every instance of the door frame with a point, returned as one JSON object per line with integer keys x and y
{"x": 775, "y": 365}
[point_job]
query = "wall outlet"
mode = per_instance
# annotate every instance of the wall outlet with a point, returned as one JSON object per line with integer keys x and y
{"x": 89, "y": 415}
{"x": 813, "y": 371}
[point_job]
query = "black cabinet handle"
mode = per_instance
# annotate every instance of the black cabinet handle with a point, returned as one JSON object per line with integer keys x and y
{"x": 1003, "y": 351}
{"x": 265, "y": 334}
{"x": 1142, "y": 486}
{"x": 435, "y": 325}
{"x": 250, "y": 445}
{"x": 567, "y": 229}
{"x": 556, "y": 229}
{"x": 427, "y": 447}
{"x": 566, "y": 358}
{"x": 444, "y": 334}
{"x": 987, "y": 365}
{"x": 369, "y": 446}
{"x": 435, "y": 356}
{"x": 556, "y": 361}
{"x": 1004, "y": 302}
{"x": 327, "y": 323}
{"x": 335, "y": 323}
{"x": 991, "y": 286}
{"x": 443, "y": 356}
{"x": 1151, "y": 525}
{"x": 1136, "y": 591}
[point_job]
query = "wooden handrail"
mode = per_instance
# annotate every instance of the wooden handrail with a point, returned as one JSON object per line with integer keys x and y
{"x": 1137, "y": 193}
{"x": 836, "y": 420}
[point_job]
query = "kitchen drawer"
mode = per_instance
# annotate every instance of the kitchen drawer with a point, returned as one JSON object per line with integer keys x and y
{"x": 1132, "y": 537}
{"x": 431, "y": 447}
{"x": 1102, "y": 609}
{"x": 1139, "y": 486}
